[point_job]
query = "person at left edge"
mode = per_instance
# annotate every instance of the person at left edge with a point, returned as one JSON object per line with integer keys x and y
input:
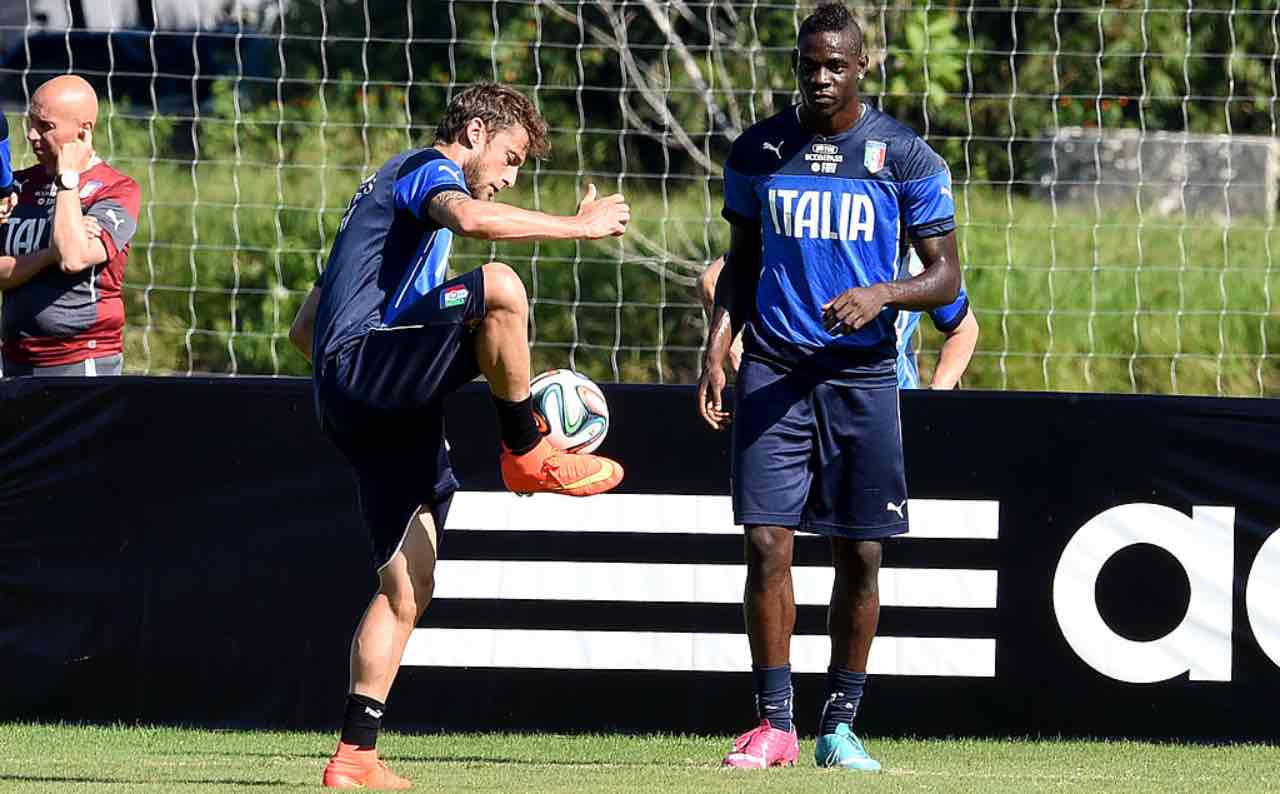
{"x": 64, "y": 246}
{"x": 8, "y": 197}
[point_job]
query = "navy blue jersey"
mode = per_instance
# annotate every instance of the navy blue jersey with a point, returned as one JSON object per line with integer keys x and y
{"x": 6, "y": 159}
{"x": 945, "y": 319}
{"x": 388, "y": 252}
{"x": 835, "y": 212}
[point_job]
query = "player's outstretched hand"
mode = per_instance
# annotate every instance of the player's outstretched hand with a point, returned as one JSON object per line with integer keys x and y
{"x": 852, "y": 309}
{"x": 603, "y": 217}
{"x": 710, "y": 389}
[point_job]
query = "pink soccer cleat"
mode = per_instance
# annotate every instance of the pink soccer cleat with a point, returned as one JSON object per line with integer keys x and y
{"x": 762, "y": 747}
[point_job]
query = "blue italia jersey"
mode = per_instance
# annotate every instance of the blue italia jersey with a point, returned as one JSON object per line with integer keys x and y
{"x": 6, "y": 159}
{"x": 945, "y": 319}
{"x": 835, "y": 212}
{"x": 388, "y": 252}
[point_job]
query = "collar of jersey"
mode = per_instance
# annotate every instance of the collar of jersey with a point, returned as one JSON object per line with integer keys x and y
{"x": 839, "y": 136}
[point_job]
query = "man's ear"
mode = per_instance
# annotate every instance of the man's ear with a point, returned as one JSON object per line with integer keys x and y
{"x": 475, "y": 133}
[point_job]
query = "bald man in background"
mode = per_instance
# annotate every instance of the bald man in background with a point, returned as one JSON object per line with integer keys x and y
{"x": 63, "y": 247}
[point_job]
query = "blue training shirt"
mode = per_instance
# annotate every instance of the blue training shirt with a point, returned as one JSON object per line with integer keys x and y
{"x": 945, "y": 319}
{"x": 835, "y": 212}
{"x": 6, "y": 159}
{"x": 388, "y": 252}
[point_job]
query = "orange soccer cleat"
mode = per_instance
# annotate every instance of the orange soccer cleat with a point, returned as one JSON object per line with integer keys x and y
{"x": 350, "y": 767}
{"x": 545, "y": 469}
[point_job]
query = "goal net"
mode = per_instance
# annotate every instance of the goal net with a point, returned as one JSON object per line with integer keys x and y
{"x": 1115, "y": 165}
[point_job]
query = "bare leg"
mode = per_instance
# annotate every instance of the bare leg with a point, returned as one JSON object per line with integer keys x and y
{"x": 769, "y": 600}
{"x": 855, "y": 602}
{"x": 405, "y": 587}
{"x": 502, "y": 336}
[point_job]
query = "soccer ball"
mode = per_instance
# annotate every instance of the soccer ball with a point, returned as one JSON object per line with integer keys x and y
{"x": 570, "y": 410}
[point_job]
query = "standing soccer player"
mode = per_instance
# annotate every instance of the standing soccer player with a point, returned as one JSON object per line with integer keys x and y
{"x": 390, "y": 337}
{"x": 821, "y": 198}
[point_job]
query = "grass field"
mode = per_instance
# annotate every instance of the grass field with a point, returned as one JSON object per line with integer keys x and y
{"x": 78, "y": 758}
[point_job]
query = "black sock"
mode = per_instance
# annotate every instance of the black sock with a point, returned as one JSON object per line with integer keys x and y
{"x": 519, "y": 430}
{"x": 844, "y": 693}
{"x": 773, "y": 695}
{"x": 362, "y": 721}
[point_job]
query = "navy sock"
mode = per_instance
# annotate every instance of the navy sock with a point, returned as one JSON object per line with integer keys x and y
{"x": 844, "y": 693}
{"x": 518, "y": 427}
{"x": 362, "y": 721}
{"x": 773, "y": 695}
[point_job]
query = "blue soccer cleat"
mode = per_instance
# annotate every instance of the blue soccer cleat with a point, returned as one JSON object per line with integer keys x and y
{"x": 843, "y": 749}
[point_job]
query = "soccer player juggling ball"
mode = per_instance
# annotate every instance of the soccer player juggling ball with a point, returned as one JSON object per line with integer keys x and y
{"x": 820, "y": 199}
{"x": 390, "y": 336}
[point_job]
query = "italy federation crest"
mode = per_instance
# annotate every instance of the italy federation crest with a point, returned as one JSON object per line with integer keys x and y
{"x": 873, "y": 156}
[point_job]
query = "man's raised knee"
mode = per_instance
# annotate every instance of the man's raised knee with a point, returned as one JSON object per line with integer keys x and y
{"x": 503, "y": 289}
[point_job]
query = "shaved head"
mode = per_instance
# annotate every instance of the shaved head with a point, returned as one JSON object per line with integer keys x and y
{"x": 62, "y": 110}
{"x": 69, "y": 96}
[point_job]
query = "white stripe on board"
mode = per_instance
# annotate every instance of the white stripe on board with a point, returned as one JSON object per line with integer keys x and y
{"x": 632, "y": 650}
{"x": 703, "y": 584}
{"x": 666, "y": 513}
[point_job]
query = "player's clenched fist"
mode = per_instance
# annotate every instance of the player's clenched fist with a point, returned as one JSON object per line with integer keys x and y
{"x": 603, "y": 217}
{"x": 75, "y": 155}
{"x": 852, "y": 309}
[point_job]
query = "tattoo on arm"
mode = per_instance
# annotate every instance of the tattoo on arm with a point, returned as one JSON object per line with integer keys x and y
{"x": 723, "y": 326}
{"x": 447, "y": 197}
{"x": 439, "y": 209}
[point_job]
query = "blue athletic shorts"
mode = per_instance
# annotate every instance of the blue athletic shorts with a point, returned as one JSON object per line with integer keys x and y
{"x": 380, "y": 399}
{"x": 818, "y": 454}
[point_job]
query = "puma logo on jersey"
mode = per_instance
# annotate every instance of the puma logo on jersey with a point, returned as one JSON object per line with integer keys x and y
{"x": 776, "y": 148}
{"x": 115, "y": 219}
{"x": 898, "y": 508}
{"x": 822, "y": 215}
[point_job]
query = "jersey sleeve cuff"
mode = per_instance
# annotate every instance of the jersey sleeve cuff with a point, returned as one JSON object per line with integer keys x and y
{"x": 738, "y": 219}
{"x": 956, "y": 319}
{"x": 933, "y": 228}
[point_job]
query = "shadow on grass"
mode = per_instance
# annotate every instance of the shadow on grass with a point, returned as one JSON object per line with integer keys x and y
{"x": 433, "y": 759}
{"x": 238, "y": 754}
{"x": 484, "y": 759}
{"x": 237, "y": 782}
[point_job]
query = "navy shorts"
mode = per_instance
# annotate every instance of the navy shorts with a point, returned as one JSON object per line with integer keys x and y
{"x": 818, "y": 454}
{"x": 380, "y": 399}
